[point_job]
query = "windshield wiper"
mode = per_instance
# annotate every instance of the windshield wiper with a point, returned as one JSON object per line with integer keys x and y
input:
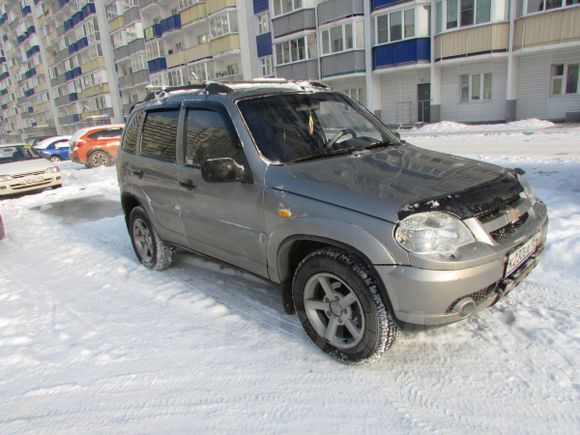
{"x": 383, "y": 143}
{"x": 323, "y": 155}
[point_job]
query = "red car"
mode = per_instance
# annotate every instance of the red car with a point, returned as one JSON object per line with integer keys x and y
{"x": 96, "y": 146}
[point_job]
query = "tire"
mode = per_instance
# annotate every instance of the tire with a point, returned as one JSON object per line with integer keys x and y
{"x": 98, "y": 158}
{"x": 357, "y": 325}
{"x": 58, "y": 186}
{"x": 54, "y": 159}
{"x": 151, "y": 251}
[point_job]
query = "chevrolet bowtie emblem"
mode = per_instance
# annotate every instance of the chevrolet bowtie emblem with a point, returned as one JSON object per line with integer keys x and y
{"x": 513, "y": 215}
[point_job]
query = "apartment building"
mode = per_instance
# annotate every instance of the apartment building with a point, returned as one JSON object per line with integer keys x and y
{"x": 24, "y": 86}
{"x": 429, "y": 60}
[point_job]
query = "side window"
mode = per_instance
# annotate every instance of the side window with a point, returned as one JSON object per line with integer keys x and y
{"x": 132, "y": 132}
{"x": 113, "y": 132}
{"x": 97, "y": 134}
{"x": 207, "y": 137}
{"x": 160, "y": 134}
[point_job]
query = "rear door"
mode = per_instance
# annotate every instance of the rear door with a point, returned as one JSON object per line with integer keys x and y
{"x": 223, "y": 220}
{"x": 107, "y": 139}
{"x": 154, "y": 172}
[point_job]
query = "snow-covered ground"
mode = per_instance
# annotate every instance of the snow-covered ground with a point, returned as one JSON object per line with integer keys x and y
{"x": 90, "y": 341}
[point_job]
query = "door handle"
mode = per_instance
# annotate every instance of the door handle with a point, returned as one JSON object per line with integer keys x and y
{"x": 138, "y": 172}
{"x": 188, "y": 184}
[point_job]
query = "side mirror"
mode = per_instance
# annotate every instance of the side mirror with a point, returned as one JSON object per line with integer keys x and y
{"x": 221, "y": 170}
{"x": 398, "y": 135}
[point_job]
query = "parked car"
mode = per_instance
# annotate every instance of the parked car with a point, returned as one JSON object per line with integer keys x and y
{"x": 2, "y": 231}
{"x": 23, "y": 169}
{"x": 54, "y": 148}
{"x": 303, "y": 186}
{"x": 96, "y": 146}
{"x": 35, "y": 140}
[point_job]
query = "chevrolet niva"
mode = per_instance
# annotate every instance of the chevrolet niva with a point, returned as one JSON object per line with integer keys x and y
{"x": 303, "y": 186}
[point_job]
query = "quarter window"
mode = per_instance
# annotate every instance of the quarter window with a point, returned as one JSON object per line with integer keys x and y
{"x": 207, "y": 137}
{"x": 160, "y": 134}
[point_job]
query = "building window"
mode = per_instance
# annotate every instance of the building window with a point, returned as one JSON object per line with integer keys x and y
{"x": 391, "y": 28}
{"x": 174, "y": 78}
{"x": 138, "y": 62}
{"x": 466, "y": 13}
{"x": 263, "y": 23}
{"x": 475, "y": 87}
{"x": 296, "y": 50}
{"x": 267, "y": 67}
{"x": 565, "y": 79}
{"x": 342, "y": 37}
{"x": 111, "y": 10}
{"x": 223, "y": 24}
{"x": 544, "y": 5}
{"x": 286, "y": 6}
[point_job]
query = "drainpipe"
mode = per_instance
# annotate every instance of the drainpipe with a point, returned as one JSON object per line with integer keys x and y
{"x": 512, "y": 72}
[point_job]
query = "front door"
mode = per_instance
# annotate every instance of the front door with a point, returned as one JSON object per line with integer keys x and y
{"x": 424, "y": 102}
{"x": 223, "y": 220}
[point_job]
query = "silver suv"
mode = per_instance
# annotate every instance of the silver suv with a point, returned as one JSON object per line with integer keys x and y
{"x": 303, "y": 186}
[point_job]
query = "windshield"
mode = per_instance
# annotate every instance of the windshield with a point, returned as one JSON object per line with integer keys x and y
{"x": 18, "y": 153}
{"x": 294, "y": 127}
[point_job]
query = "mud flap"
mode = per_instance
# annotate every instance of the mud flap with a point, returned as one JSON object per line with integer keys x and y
{"x": 287, "y": 300}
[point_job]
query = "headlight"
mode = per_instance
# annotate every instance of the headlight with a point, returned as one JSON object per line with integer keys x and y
{"x": 52, "y": 170}
{"x": 432, "y": 232}
{"x": 5, "y": 177}
{"x": 528, "y": 190}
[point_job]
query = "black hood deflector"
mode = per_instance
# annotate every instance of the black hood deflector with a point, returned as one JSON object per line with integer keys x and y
{"x": 491, "y": 195}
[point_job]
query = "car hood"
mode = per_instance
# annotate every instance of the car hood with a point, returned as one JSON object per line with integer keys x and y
{"x": 390, "y": 183}
{"x": 25, "y": 166}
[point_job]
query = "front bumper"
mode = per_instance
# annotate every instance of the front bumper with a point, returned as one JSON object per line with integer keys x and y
{"x": 427, "y": 297}
{"x": 23, "y": 185}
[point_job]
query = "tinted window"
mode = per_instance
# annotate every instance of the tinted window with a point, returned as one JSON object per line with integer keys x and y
{"x": 17, "y": 153}
{"x": 132, "y": 132}
{"x": 207, "y": 137}
{"x": 159, "y": 134}
{"x": 110, "y": 132}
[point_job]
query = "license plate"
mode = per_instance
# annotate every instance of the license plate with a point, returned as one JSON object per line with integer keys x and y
{"x": 34, "y": 180}
{"x": 517, "y": 257}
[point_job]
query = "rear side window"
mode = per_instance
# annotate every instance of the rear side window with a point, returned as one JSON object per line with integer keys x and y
{"x": 207, "y": 137}
{"x": 159, "y": 135}
{"x": 132, "y": 132}
{"x": 106, "y": 133}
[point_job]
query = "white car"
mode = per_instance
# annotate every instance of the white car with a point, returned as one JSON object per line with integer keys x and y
{"x": 23, "y": 169}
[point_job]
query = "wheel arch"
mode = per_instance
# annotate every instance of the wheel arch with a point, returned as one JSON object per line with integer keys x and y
{"x": 129, "y": 202}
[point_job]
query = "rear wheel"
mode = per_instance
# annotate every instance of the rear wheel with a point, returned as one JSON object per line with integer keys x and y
{"x": 151, "y": 251}
{"x": 99, "y": 158}
{"x": 340, "y": 307}
{"x": 55, "y": 159}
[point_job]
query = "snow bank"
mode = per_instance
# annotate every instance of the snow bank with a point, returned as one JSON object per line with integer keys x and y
{"x": 453, "y": 127}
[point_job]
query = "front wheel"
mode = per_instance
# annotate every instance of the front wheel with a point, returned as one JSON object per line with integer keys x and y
{"x": 339, "y": 305}
{"x": 151, "y": 251}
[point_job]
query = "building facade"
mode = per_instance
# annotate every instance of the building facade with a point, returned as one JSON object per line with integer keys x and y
{"x": 66, "y": 64}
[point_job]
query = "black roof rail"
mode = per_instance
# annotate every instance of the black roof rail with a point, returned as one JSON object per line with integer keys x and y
{"x": 166, "y": 89}
{"x": 318, "y": 85}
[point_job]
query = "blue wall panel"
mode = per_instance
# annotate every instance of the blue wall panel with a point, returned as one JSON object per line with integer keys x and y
{"x": 264, "y": 44}
{"x": 260, "y": 6}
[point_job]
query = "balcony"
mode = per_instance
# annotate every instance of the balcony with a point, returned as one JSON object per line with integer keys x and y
{"x": 225, "y": 43}
{"x": 32, "y": 50}
{"x": 164, "y": 26}
{"x": 216, "y": 5}
{"x": 116, "y": 23}
{"x": 336, "y": 9}
{"x": 402, "y": 53}
{"x": 193, "y": 13}
{"x": 554, "y": 27}
{"x": 157, "y": 65}
{"x": 92, "y": 91}
{"x": 264, "y": 44}
{"x": 350, "y": 62}
{"x": 189, "y": 55}
{"x": 70, "y": 119}
{"x": 307, "y": 70}
{"x": 260, "y": 6}
{"x": 492, "y": 38}
{"x": 377, "y": 4}
{"x": 133, "y": 79}
{"x": 93, "y": 65}
{"x": 303, "y": 19}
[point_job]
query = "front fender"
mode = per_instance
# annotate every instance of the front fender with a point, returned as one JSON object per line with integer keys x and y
{"x": 337, "y": 233}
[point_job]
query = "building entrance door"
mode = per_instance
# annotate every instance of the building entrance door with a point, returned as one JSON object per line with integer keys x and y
{"x": 424, "y": 102}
